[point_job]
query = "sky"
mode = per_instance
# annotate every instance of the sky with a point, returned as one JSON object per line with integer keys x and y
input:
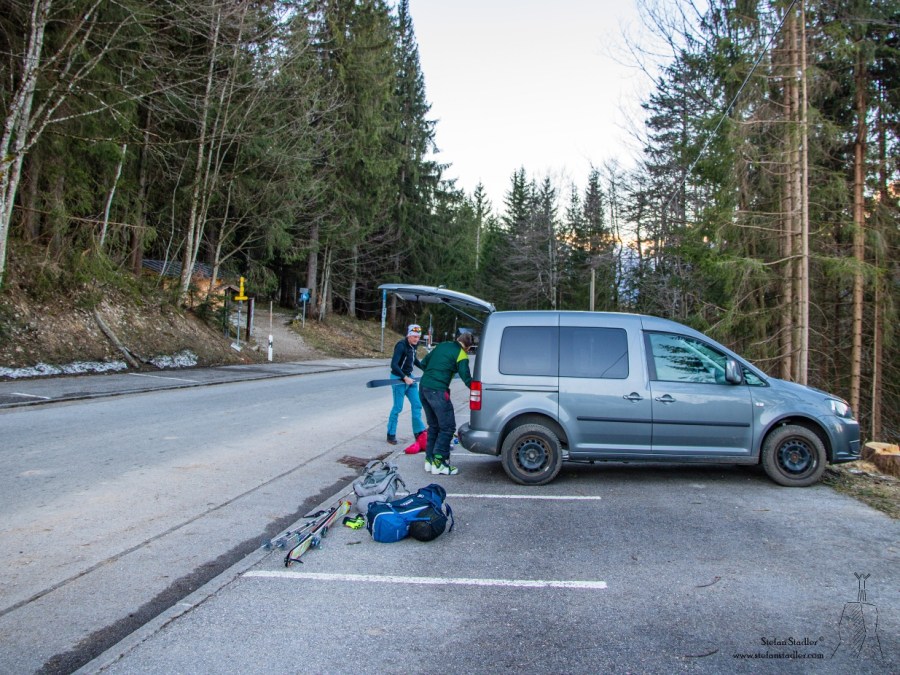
{"x": 548, "y": 86}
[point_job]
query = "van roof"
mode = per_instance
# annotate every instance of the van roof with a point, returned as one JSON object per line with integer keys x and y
{"x": 646, "y": 321}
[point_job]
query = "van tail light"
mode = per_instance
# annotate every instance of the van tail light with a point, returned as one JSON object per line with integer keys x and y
{"x": 475, "y": 395}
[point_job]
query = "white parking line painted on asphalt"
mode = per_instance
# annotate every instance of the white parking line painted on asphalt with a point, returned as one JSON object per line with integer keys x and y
{"x": 428, "y": 581}
{"x": 15, "y": 393}
{"x": 162, "y": 377}
{"x": 562, "y": 498}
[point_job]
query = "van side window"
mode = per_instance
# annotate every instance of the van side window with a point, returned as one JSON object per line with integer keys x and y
{"x": 593, "y": 352}
{"x": 530, "y": 350}
{"x": 678, "y": 358}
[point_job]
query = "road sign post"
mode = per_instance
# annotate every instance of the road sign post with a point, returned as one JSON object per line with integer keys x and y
{"x": 383, "y": 316}
{"x": 240, "y": 297}
{"x": 303, "y": 297}
{"x": 270, "y": 331}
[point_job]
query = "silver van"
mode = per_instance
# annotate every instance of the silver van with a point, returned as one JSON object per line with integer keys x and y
{"x": 554, "y": 386}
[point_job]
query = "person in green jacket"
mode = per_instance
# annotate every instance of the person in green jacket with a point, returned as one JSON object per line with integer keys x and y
{"x": 439, "y": 366}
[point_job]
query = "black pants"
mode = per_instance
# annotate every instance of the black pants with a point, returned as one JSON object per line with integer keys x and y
{"x": 441, "y": 422}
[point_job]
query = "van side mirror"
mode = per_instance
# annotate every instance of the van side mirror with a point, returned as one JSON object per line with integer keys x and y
{"x": 734, "y": 374}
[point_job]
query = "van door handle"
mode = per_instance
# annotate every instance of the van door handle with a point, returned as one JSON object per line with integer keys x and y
{"x": 633, "y": 396}
{"x": 665, "y": 399}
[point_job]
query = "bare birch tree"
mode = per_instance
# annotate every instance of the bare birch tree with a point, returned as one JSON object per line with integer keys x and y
{"x": 194, "y": 230}
{"x": 32, "y": 109}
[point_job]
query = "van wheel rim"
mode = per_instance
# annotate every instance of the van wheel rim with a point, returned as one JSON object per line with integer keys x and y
{"x": 795, "y": 457}
{"x": 532, "y": 455}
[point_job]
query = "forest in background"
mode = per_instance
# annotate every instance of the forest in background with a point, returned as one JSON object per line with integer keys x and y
{"x": 290, "y": 142}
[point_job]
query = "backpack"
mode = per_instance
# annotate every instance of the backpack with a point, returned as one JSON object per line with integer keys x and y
{"x": 423, "y": 515}
{"x": 432, "y": 520}
{"x": 378, "y": 483}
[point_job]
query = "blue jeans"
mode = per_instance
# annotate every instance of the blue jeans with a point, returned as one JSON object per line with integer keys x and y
{"x": 441, "y": 423}
{"x": 412, "y": 393}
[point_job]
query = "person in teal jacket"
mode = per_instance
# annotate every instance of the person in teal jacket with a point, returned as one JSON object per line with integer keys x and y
{"x": 439, "y": 366}
{"x": 401, "y": 369}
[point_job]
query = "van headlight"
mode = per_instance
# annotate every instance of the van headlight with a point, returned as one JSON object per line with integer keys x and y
{"x": 840, "y": 408}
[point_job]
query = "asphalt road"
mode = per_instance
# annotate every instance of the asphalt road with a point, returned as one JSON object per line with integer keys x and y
{"x": 610, "y": 568}
{"x": 117, "y": 506}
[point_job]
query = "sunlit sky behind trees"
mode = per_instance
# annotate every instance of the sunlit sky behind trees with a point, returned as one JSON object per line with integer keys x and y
{"x": 548, "y": 87}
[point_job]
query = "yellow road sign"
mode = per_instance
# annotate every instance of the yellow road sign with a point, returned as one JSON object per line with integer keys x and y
{"x": 240, "y": 296}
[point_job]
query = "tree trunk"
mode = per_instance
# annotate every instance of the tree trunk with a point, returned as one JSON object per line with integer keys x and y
{"x": 878, "y": 327}
{"x": 30, "y": 221}
{"x": 326, "y": 284}
{"x": 192, "y": 235}
{"x": 859, "y": 215}
{"x": 312, "y": 265}
{"x": 795, "y": 187}
{"x": 18, "y": 122}
{"x": 219, "y": 143}
{"x": 354, "y": 271}
{"x": 786, "y": 331}
{"x": 112, "y": 193}
{"x": 214, "y": 274}
{"x": 803, "y": 351}
{"x": 136, "y": 241}
{"x": 877, "y": 360}
{"x": 56, "y": 220}
{"x": 392, "y": 315}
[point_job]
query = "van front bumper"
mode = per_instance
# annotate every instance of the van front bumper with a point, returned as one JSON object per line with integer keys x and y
{"x": 845, "y": 444}
{"x": 480, "y": 442}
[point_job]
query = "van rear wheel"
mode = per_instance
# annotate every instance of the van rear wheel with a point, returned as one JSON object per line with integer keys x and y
{"x": 794, "y": 456}
{"x": 531, "y": 455}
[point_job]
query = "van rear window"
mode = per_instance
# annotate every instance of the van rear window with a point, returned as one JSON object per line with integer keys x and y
{"x": 593, "y": 352}
{"x": 530, "y": 350}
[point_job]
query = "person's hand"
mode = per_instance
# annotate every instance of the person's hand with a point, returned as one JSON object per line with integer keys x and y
{"x": 408, "y": 380}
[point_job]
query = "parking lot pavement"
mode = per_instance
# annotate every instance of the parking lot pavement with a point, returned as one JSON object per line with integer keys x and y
{"x": 610, "y": 568}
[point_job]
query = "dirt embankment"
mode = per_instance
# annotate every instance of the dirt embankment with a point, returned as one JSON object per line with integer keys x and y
{"x": 47, "y": 325}
{"x": 54, "y": 332}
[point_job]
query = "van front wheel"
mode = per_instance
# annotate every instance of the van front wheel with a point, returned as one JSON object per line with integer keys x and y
{"x": 531, "y": 455}
{"x": 794, "y": 456}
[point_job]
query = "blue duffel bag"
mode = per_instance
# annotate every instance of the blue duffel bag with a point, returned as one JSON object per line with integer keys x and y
{"x": 423, "y": 515}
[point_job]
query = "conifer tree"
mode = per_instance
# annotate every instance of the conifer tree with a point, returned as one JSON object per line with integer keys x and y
{"x": 574, "y": 259}
{"x": 482, "y": 207}
{"x": 355, "y": 39}
{"x": 523, "y": 262}
{"x": 408, "y": 233}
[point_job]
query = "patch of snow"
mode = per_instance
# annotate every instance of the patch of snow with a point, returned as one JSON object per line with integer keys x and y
{"x": 183, "y": 359}
{"x": 76, "y": 368}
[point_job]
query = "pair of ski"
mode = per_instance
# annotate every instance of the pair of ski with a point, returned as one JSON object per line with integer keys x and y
{"x": 392, "y": 382}
{"x": 310, "y": 535}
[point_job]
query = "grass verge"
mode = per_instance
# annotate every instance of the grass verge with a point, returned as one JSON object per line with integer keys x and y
{"x": 862, "y": 481}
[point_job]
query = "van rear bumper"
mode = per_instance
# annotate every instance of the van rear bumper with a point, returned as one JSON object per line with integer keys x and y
{"x": 480, "y": 442}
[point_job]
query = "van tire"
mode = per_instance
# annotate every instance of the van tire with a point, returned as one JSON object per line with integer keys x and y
{"x": 794, "y": 456}
{"x": 531, "y": 455}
